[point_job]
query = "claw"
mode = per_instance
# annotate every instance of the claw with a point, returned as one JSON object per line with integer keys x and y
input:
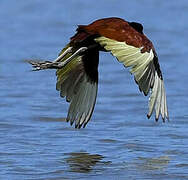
{"x": 56, "y": 64}
{"x": 40, "y": 65}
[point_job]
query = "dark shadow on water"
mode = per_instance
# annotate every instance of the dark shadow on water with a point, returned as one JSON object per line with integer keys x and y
{"x": 153, "y": 163}
{"x": 84, "y": 162}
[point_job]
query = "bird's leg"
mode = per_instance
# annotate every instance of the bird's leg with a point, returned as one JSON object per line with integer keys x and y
{"x": 68, "y": 50}
{"x": 39, "y": 65}
{"x": 56, "y": 64}
{"x": 78, "y": 52}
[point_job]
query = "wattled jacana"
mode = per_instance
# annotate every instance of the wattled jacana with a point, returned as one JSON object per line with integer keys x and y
{"x": 77, "y": 66}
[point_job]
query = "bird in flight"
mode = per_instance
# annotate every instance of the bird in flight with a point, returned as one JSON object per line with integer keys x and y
{"x": 77, "y": 66}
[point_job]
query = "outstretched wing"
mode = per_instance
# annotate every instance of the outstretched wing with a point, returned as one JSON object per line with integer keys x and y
{"x": 146, "y": 70}
{"x": 79, "y": 85}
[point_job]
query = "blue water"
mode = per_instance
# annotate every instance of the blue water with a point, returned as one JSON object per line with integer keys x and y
{"x": 119, "y": 142}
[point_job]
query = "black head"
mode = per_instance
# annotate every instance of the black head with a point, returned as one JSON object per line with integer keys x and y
{"x": 137, "y": 26}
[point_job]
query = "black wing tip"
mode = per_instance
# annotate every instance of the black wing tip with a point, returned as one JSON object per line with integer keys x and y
{"x": 164, "y": 119}
{"x": 156, "y": 119}
{"x": 145, "y": 93}
{"x": 67, "y": 99}
{"x": 71, "y": 123}
{"x": 148, "y": 116}
{"x": 77, "y": 125}
{"x": 84, "y": 125}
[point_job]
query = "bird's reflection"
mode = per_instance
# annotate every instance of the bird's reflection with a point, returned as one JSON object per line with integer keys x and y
{"x": 157, "y": 163}
{"x": 83, "y": 161}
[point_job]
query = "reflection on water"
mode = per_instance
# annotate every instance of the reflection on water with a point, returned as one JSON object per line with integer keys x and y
{"x": 157, "y": 163}
{"x": 82, "y": 161}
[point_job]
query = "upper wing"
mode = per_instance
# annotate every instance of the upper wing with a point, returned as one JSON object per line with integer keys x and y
{"x": 79, "y": 85}
{"x": 146, "y": 71}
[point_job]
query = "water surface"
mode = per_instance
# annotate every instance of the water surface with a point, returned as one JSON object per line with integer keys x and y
{"x": 119, "y": 142}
